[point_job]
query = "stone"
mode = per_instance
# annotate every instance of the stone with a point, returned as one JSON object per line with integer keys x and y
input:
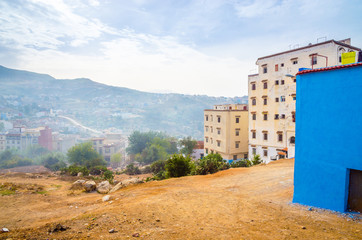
{"x": 135, "y": 235}
{"x": 104, "y": 187}
{"x": 5, "y": 230}
{"x": 303, "y": 227}
{"x": 117, "y": 187}
{"x": 80, "y": 174}
{"x": 89, "y": 186}
{"x": 106, "y": 198}
{"x": 58, "y": 228}
{"x": 77, "y": 185}
{"x": 112, "y": 230}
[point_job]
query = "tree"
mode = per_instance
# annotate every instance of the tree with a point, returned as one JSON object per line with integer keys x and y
{"x": 187, "y": 145}
{"x": 151, "y": 154}
{"x": 178, "y": 166}
{"x": 2, "y": 127}
{"x": 116, "y": 159}
{"x": 256, "y": 159}
{"x": 54, "y": 161}
{"x": 139, "y": 141}
{"x": 84, "y": 155}
{"x": 212, "y": 163}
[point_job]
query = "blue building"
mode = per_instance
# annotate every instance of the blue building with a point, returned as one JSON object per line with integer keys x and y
{"x": 328, "y": 154}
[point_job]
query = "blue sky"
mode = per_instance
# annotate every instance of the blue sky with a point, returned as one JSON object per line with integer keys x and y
{"x": 192, "y": 47}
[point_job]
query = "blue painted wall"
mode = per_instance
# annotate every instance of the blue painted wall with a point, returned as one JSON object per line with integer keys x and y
{"x": 328, "y": 136}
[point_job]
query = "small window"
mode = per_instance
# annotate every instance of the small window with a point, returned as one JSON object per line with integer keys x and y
{"x": 265, "y": 136}
{"x": 294, "y": 98}
{"x": 282, "y": 82}
{"x": 207, "y": 117}
{"x": 253, "y": 86}
{"x": 276, "y": 117}
{"x": 254, "y": 116}
{"x": 237, "y": 120}
{"x": 253, "y": 134}
{"x": 294, "y": 80}
{"x": 314, "y": 60}
{"x": 218, "y": 143}
{"x": 276, "y": 82}
{"x": 295, "y": 61}
{"x": 253, "y": 101}
{"x": 206, "y": 150}
{"x": 265, "y": 117}
{"x": 219, "y": 131}
{"x": 237, "y": 132}
{"x": 235, "y": 157}
{"x": 292, "y": 140}
{"x": 280, "y": 137}
{"x": 282, "y": 64}
{"x": 237, "y": 144}
{"x": 282, "y": 116}
{"x": 276, "y": 67}
{"x": 276, "y": 99}
{"x": 206, "y": 139}
{"x": 206, "y": 128}
{"x": 254, "y": 151}
{"x": 218, "y": 119}
{"x": 265, "y": 101}
{"x": 265, "y": 85}
{"x": 211, "y": 130}
{"x": 212, "y": 141}
{"x": 293, "y": 116}
{"x": 265, "y": 69}
{"x": 282, "y": 98}
{"x": 265, "y": 153}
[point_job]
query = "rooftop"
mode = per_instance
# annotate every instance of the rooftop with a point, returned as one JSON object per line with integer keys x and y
{"x": 329, "y": 68}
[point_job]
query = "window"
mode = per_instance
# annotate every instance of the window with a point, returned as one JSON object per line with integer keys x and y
{"x": 265, "y": 101}
{"x": 314, "y": 60}
{"x": 211, "y": 118}
{"x": 276, "y": 99}
{"x": 282, "y": 82}
{"x": 280, "y": 137}
{"x": 206, "y": 139}
{"x": 218, "y": 119}
{"x": 293, "y": 116}
{"x": 207, "y": 117}
{"x": 254, "y": 116}
{"x": 282, "y": 64}
{"x": 265, "y": 69}
{"x": 253, "y": 134}
{"x": 237, "y": 120}
{"x": 265, "y": 153}
{"x": 206, "y": 128}
{"x": 292, "y": 140}
{"x": 218, "y": 131}
{"x": 237, "y": 131}
{"x": 237, "y": 144}
{"x": 265, "y": 136}
{"x": 265, "y": 85}
{"x": 265, "y": 116}
{"x": 294, "y": 80}
{"x": 294, "y": 98}
{"x": 218, "y": 143}
{"x": 254, "y": 151}
{"x": 253, "y": 101}
{"x": 276, "y": 67}
{"x": 295, "y": 61}
{"x": 211, "y": 141}
{"x": 282, "y": 98}
{"x": 211, "y": 130}
{"x": 206, "y": 150}
{"x": 282, "y": 116}
{"x": 276, "y": 82}
{"x": 212, "y": 151}
{"x": 253, "y": 86}
{"x": 276, "y": 117}
{"x": 235, "y": 157}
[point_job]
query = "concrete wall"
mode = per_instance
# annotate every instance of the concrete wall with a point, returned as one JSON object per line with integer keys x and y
{"x": 328, "y": 136}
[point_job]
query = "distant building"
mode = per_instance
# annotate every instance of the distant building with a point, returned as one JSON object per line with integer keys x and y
{"x": 328, "y": 158}
{"x": 2, "y": 141}
{"x": 272, "y": 96}
{"x": 45, "y": 138}
{"x": 226, "y": 131}
{"x": 198, "y": 151}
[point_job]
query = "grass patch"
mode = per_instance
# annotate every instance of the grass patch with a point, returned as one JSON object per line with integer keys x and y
{"x": 7, "y": 192}
{"x": 41, "y": 192}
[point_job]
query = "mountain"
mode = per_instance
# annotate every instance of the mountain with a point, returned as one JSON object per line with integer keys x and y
{"x": 101, "y": 106}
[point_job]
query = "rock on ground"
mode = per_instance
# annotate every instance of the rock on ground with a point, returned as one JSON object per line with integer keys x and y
{"x": 104, "y": 187}
{"x": 77, "y": 185}
{"x": 89, "y": 186}
{"x": 106, "y": 198}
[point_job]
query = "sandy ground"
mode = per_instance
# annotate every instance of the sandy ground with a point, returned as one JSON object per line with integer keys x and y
{"x": 242, "y": 203}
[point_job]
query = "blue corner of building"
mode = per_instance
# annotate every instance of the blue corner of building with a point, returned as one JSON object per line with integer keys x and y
{"x": 328, "y": 156}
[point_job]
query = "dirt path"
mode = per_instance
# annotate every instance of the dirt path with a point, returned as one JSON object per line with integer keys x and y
{"x": 243, "y": 203}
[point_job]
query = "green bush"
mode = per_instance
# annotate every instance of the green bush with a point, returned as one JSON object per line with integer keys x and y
{"x": 146, "y": 169}
{"x": 132, "y": 170}
{"x": 97, "y": 170}
{"x": 256, "y": 159}
{"x": 158, "y": 166}
{"x": 74, "y": 170}
{"x": 108, "y": 175}
{"x": 178, "y": 166}
{"x": 212, "y": 163}
{"x": 241, "y": 163}
{"x": 53, "y": 162}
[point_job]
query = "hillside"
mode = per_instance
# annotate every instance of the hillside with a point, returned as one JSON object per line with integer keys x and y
{"x": 242, "y": 203}
{"x": 101, "y": 106}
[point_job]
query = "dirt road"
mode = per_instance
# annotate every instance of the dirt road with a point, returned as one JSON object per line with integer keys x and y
{"x": 242, "y": 203}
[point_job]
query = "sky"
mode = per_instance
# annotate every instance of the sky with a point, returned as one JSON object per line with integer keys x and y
{"x": 202, "y": 47}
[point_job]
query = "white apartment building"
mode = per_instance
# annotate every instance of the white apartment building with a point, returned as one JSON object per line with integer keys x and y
{"x": 272, "y": 96}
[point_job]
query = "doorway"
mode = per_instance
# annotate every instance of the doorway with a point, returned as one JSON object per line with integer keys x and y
{"x": 355, "y": 191}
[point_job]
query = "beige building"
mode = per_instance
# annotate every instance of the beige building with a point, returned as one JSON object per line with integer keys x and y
{"x": 226, "y": 131}
{"x": 272, "y": 95}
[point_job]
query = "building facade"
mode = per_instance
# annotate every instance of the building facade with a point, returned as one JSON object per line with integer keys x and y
{"x": 328, "y": 165}
{"x": 226, "y": 131}
{"x": 272, "y": 96}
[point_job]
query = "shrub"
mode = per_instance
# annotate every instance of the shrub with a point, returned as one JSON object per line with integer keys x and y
{"x": 97, "y": 170}
{"x": 256, "y": 159}
{"x": 53, "y": 162}
{"x": 212, "y": 163}
{"x": 178, "y": 166}
{"x": 74, "y": 170}
{"x": 158, "y": 166}
{"x": 132, "y": 170}
{"x": 108, "y": 175}
{"x": 146, "y": 169}
{"x": 241, "y": 163}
